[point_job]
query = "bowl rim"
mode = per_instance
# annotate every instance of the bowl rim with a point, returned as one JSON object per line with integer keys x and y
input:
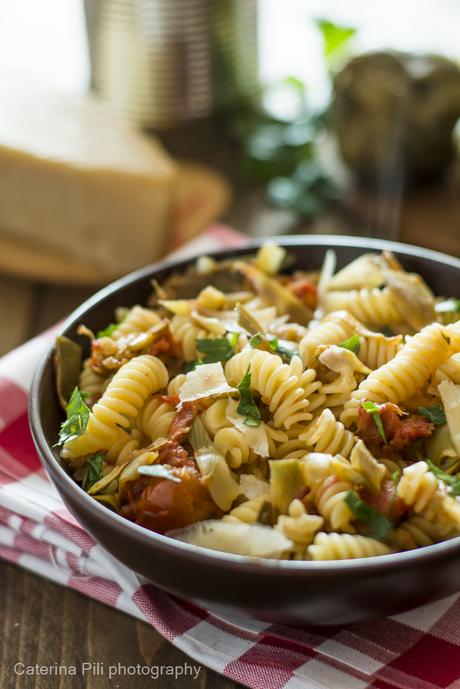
{"x": 262, "y": 566}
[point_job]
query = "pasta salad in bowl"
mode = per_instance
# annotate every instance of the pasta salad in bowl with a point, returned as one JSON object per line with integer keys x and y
{"x": 263, "y": 409}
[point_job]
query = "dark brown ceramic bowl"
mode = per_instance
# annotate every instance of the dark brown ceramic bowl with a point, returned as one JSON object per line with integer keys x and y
{"x": 288, "y": 592}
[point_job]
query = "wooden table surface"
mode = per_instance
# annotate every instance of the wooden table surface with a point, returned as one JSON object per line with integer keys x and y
{"x": 44, "y": 623}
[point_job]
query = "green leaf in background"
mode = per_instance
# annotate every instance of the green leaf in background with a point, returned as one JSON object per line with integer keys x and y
{"x": 379, "y": 525}
{"x": 373, "y": 410}
{"x": 93, "y": 470}
{"x": 335, "y": 37}
{"x": 216, "y": 349}
{"x": 353, "y": 344}
{"x": 77, "y": 418}
{"x": 247, "y": 406}
{"x": 107, "y": 331}
{"x": 452, "y": 481}
{"x": 306, "y": 191}
{"x": 434, "y": 414}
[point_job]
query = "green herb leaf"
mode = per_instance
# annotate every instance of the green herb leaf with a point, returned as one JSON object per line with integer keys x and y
{"x": 77, "y": 418}
{"x": 379, "y": 525}
{"x": 247, "y": 406}
{"x": 452, "y": 481}
{"x": 353, "y": 344}
{"x": 256, "y": 340}
{"x": 93, "y": 470}
{"x": 434, "y": 414}
{"x": 270, "y": 343}
{"x": 373, "y": 410}
{"x": 158, "y": 471}
{"x": 395, "y": 475}
{"x": 335, "y": 37}
{"x": 448, "y": 306}
{"x": 217, "y": 349}
{"x": 106, "y": 332}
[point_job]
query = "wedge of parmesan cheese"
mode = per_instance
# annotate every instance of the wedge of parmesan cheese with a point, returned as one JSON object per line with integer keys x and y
{"x": 80, "y": 181}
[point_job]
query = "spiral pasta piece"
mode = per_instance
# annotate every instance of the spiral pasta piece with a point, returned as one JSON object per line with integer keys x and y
{"x": 299, "y": 526}
{"x": 333, "y": 329}
{"x": 155, "y": 418}
{"x": 335, "y": 546}
{"x": 232, "y": 443}
{"x": 405, "y": 374}
{"x": 416, "y": 532}
{"x": 124, "y": 446}
{"x": 373, "y": 306}
{"x": 215, "y": 417}
{"x": 187, "y": 332}
{"x": 417, "y": 486}
{"x": 90, "y": 382}
{"x": 279, "y": 388}
{"x": 375, "y": 349}
{"x": 448, "y": 370}
{"x": 326, "y": 434}
{"x": 248, "y": 512}
{"x": 292, "y": 445}
{"x": 330, "y": 502}
{"x": 125, "y": 395}
{"x": 138, "y": 320}
{"x": 176, "y": 383}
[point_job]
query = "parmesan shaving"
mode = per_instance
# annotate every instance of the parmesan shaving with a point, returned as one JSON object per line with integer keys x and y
{"x": 207, "y": 380}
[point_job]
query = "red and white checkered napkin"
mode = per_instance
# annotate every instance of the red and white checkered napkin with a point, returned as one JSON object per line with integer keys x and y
{"x": 416, "y": 650}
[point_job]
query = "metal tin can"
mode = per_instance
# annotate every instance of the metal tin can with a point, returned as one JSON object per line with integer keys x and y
{"x": 164, "y": 63}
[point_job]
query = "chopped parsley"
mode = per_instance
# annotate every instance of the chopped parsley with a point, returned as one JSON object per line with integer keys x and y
{"x": 434, "y": 414}
{"x": 452, "y": 481}
{"x": 395, "y": 476}
{"x": 379, "y": 526}
{"x": 107, "y": 332}
{"x": 270, "y": 343}
{"x": 93, "y": 470}
{"x": 77, "y": 418}
{"x": 247, "y": 406}
{"x": 374, "y": 411}
{"x": 353, "y": 344}
{"x": 216, "y": 349}
{"x": 256, "y": 340}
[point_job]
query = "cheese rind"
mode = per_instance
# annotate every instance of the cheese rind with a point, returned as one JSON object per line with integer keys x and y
{"x": 82, "y": 182}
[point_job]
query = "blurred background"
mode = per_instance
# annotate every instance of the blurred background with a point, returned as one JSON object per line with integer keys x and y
{"x": 307, "y": 116}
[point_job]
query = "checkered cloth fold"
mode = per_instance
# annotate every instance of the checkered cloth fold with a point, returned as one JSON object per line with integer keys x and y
{"x": 419, "y": 649}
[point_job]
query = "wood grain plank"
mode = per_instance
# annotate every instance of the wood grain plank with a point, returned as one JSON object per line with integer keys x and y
{"x": 17, "y": 301}
{"x": 46, "y": 624}
{"x": 56, "y": 303}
